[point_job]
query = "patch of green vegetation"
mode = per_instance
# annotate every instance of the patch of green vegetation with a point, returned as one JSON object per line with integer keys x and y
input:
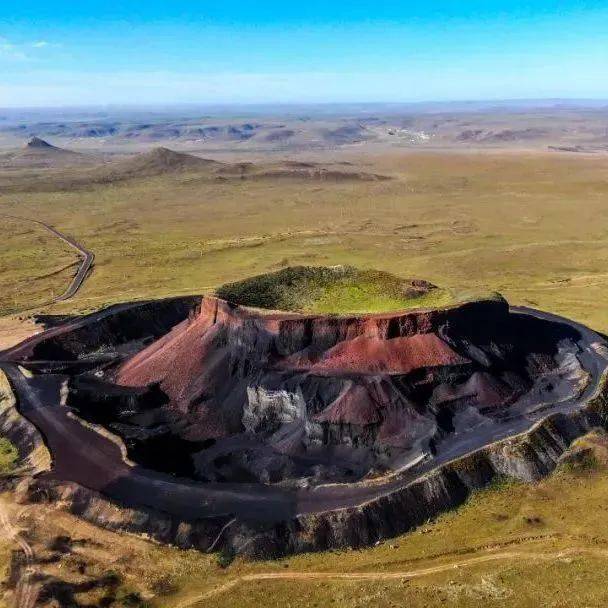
{"x": 8, "y": 456}
{"x": 225, "y": 557}
{"x": 586, "y": 455}
{"x": 500, "y": 483}
{"x": 333, "y": 290}
{"x": 584, "y": 461}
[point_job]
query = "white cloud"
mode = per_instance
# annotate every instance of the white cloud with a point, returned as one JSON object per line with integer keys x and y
{"x": 9, "y": 50}
{"x": 41, "y": 44}
{"x": 20, "y": 52}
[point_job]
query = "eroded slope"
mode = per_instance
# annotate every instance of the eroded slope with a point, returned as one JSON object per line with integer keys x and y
{"x": 232, "y": 394}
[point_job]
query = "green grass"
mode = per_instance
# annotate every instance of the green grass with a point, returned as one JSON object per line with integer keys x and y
{"x": 34, "y": 266}
{"x": 533, "y": 227}
{"x": 331, "y": 290}
{"x": 8, "y": 456}
{"x": 563, "y": 512}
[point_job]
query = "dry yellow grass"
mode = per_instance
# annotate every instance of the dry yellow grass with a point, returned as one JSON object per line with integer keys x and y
{"x": 532, "y": 226}
{"x": 511, "y": 545}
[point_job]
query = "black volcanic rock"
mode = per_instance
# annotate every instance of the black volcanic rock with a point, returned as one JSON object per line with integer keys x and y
{"x": 261, "y": 410}
{"x": 291, "y": 399}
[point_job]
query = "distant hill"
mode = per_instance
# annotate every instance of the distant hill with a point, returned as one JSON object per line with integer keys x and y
{"x": 38, "y": 153}
{"x": 40, "y": 147}
{"x": 39, "y": 144}
{"x": 297, "y": 170}
{"x": 77, "y": 170}
{"x": 159, "y": 160}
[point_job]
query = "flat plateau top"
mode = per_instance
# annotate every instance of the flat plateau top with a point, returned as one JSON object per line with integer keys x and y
{"x": 334, "y": 290}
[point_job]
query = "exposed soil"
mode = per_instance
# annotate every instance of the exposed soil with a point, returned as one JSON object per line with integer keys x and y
{"x": 263, "y": 432}
{"x": 15, "y": 329}
{"x": 235, "y": 395}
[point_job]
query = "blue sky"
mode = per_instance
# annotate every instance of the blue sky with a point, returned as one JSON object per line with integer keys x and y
{"x": 56, "y": 52}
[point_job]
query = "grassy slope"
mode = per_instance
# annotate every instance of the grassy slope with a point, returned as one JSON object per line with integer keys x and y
{"x": 537, "y": 545}
{"x": 8, "y": 456}
{"x": 335, "y": 290}
{"x": 532, "y": 227}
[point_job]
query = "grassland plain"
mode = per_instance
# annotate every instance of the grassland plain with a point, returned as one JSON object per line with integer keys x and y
{"x": 531, "y": 226}
{"x": 513, "y": 545}
{"x": 35, "y": 266}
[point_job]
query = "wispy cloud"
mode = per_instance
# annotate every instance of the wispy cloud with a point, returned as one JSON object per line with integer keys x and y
{"x": 41, "y": 44}
{"x": 8, "y": 50}
{"x": 24, "y": 51}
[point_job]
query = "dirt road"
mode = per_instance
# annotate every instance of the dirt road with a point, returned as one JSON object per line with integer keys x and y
{"x": 87, "y": 258}
{"x": 466, "y": 562}
{"x": 26, "y": 592}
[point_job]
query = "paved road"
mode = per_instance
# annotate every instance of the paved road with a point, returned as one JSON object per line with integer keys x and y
{"x": 85, "y": 265}
{"x": 82, "y": 455}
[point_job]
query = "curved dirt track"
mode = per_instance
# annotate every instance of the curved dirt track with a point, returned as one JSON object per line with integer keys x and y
{"x": 26, "y": 592}
{"x": 87, "y": 256}
{"x": 400, "y": 575}
{"x": 91, "y": 459}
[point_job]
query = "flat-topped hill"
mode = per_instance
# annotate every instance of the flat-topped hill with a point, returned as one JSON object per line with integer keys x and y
{"x": 333, "y": 290}
{"x": 39, "y": 144}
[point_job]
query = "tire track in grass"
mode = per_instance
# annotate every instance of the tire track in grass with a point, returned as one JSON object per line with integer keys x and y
{"x": 26, "y": 592}
{"x": 388, "y": 576}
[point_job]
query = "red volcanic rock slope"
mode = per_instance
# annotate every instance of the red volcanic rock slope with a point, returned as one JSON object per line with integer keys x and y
{"x": 211, "y": 342}
{"x": 254, "y": 395}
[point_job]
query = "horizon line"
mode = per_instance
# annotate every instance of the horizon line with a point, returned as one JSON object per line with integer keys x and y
{"x": 244, "y": 104}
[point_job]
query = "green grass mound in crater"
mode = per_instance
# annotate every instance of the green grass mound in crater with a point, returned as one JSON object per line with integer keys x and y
{"x": 333, "y": 290}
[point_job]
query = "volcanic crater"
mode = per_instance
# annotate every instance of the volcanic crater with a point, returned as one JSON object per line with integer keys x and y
{"x": 304, "y": 409}
{"x": 241, "y": 394}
